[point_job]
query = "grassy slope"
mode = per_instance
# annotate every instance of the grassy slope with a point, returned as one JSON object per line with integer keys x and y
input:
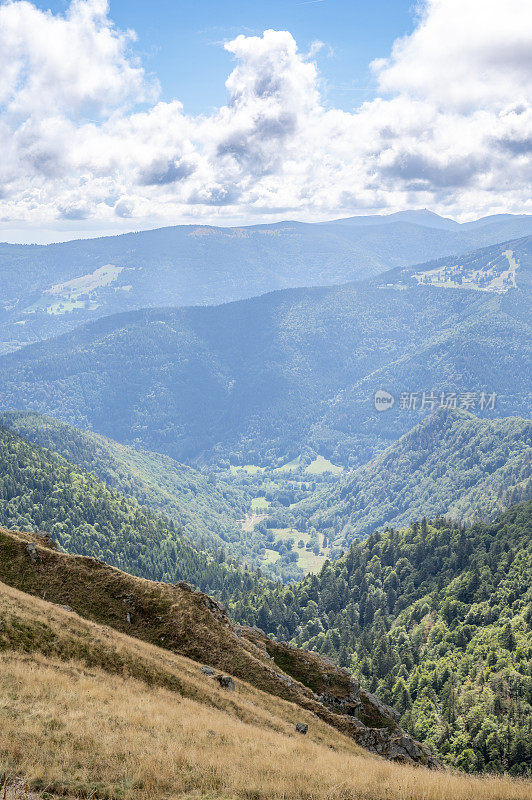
{"x": 189, "y": 623}
{"x": 89, "y": 711}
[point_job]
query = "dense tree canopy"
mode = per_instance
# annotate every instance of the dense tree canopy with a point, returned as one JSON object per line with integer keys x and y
{"x": 437, "y": 619}
{"x": 41, "y": 491}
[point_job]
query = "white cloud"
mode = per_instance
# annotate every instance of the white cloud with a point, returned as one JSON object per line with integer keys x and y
{"x": 452, "y": 129}
{"x": 464, "y": 54}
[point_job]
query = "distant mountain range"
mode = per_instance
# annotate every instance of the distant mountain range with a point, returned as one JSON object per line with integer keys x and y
{"x": 258, "y": 379}
{"x": 45, "y": 290}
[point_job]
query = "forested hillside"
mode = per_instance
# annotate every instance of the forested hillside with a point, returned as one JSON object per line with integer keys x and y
{"x": 436, "y": 618}
{"x": 215, "y": 508}
{"x": 41, "y": 491}
{"x": 207, "y": 508}
{"x": 452, "y": 464}
{"x": 258, "y": 380}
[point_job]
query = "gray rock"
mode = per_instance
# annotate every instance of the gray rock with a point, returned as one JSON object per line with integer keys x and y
{"x": 187, "y": 587}
{"x": 302, "y": 727}
{"x": 31, "y": 550}
{"x": 66, "y": 608}
{"x": 207, "y": 670}
{"x": 226, "y": 682}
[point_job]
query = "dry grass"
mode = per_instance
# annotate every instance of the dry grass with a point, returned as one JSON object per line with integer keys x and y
{"x": 180, "y": 621}
{"x": 36, "y": 627}
{"x": 122, "y": 719}
{"x": 91, "y": 734}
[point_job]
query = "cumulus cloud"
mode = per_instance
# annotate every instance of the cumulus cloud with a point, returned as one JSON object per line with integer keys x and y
{"x": 464, "y": 54}
{"x": 450, "y": 127}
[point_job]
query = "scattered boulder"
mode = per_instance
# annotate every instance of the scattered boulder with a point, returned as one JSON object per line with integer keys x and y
{"x": 226, "y": 682}
{"x": 302, "y": 727}
{"x": 207, "y": 671}
{"x": 67, "y": 608}
{"x": 216, "y": 608}
{"x": 31, "y": 550}
{"x": 46, "y": 540}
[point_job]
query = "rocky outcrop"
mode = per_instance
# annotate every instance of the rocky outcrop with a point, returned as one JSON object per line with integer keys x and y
{"x": 31, "y": 550}
{"x": 343, "y": 703}
{"x": 226, "y": 682}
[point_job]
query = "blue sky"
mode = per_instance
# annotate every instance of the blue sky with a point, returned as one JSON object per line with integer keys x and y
{"x": 130, "y": 115}
{"x": 182, "y": 42}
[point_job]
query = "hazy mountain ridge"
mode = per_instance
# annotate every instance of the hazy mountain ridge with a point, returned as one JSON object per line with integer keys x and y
{"x": 53, "y": 288}
{"x": 260, "y": 378}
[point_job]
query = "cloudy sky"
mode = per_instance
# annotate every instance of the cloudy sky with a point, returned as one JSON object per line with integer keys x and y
{"x": 138, "y": 115}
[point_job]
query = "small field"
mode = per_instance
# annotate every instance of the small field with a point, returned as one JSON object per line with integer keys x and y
{"x": 307, "y": 560}
{"x": 251, "y": 469}
{"x": 290, "y": 467}
{"x": 319, "y": 466}
{"x": 259, "y": 505}
{"x": 271, "y": 556}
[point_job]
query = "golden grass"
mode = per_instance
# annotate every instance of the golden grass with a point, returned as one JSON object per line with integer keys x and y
{"x": 91, "y": 734}
{"x": 36, "y": 627}
{"x": 118, "y": 718}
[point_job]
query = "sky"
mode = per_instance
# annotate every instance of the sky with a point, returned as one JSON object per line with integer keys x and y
{"x": 133, "y": 115}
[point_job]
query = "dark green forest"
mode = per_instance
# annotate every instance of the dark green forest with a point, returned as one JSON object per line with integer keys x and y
{"x": 437, "y": 620}
{"x": 452, "y": 464}
{"x": 41, "y": 491}
{"x": 206, "y": 507}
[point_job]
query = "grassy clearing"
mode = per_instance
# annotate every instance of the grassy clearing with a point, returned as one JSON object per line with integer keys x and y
{"x": 271, "y": 556}
{"x": 259, "y": 505}
{"x": 306, "y": 559}
{"x": 309, "y": 562}
{"x": 290, "y": 466}
{"x": 321, "y": 465}
{"x": 251, "y": 469}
